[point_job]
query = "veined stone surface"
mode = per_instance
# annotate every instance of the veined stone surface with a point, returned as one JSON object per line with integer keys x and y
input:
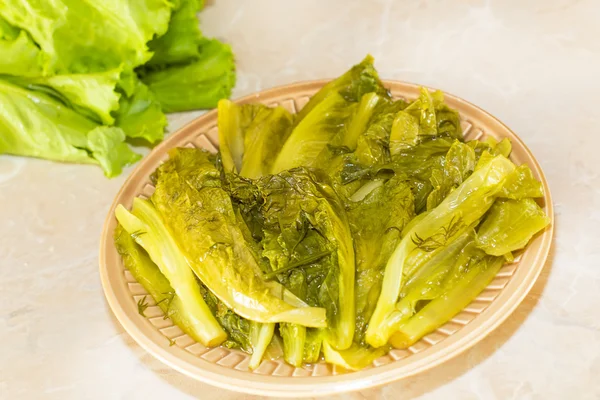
{"x": 534, "y": 65}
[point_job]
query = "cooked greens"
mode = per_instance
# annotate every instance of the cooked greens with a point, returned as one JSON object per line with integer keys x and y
{"x": 202, "y": 218}
{"x": 147, "y": 228}
{"x": 428, "y": 235}
{"x": 358, "y": 224}
{"x": 329, "y": 116}
{"x": 75, "y": 92}
{"x": 249, "y": 134}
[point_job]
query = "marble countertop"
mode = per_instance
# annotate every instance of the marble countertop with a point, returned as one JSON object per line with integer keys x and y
{"x": 535, "y": 65}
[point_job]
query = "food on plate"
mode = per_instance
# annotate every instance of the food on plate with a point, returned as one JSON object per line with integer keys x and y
{"x": 359, "y": 224}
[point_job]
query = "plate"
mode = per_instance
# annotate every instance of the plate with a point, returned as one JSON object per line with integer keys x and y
{"x": 228, "y": 368}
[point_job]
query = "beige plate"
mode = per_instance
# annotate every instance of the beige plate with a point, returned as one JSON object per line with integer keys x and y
{"x": 229, "y": 368}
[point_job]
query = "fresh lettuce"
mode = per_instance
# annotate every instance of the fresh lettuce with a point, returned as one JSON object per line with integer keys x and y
{"x": 201, "y": 83}
{"x": 180, "y": 43}
{"x": 94, "y": 70}
{"x": 140, "y": 115}
{"x": 115, "y": 36}
{"x": 20, "y": 54}
{"x": 93, "y": 95}
{"x": 35, "y": 124}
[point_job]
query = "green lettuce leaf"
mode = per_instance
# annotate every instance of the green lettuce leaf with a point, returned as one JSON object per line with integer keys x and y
{"x": 349, "y": 139}
{"x": 92, "y": 67}
{"x": 180, "y": 42}
{"x": 197, "y": 166}
{"x": 428, "y": 282}
{"x": 415, "y": 165}
{"x": 147, "y": 228}
{"x": 198, "y": 84}
{"x": 458, "y": 164}
{"x": 115, "y": 35}
{"x": 314, "y": 132}
{"x": 302, "y": 344}
{"x": 93, "y": 95}
{"x": 414, "y": 123}
{"x": 252, "y": 337}
{"x": 250, "y": 136}
{"x": 522, "y": 184}
{"x": 274, "y": 350}
{"x": 20, "y": 54}
{"x": 355, "y": 357}
{"x": 373, "y": 145}
{"x": 423, "y": 239}
{"x": 35, "y": 124}
{"x": 237, "y": 328}
{"x": 376, "y": 235}
{"x": 426, "y": 118}
{"x": 491, "y": 146}
{"x": 233, "y": 121}
{"x": 294, "y": 338}
{"x": 206, "y": 225}
{"x": 260, "y": 337}
{"x": 147, "y": 273}
{"x": 334, "y": 116}
{"x": 140, "y": 115}
{"x": 510, "y": 225}
{"x": 106, "y": 145}
{"x": 308, "y": 242}
{"x": 313, "y": 344}
{"x": 366, "y": 107}
{"x": 447, "y": 119}
{"x": 302, "y": 251}
{"x": 263, "y": 139}
{"x": 457, "y": 295}
{"x": 352, "y": 86}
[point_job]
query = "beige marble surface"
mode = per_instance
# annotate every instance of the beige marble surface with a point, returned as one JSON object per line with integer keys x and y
{"x": 534, "y": 64}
